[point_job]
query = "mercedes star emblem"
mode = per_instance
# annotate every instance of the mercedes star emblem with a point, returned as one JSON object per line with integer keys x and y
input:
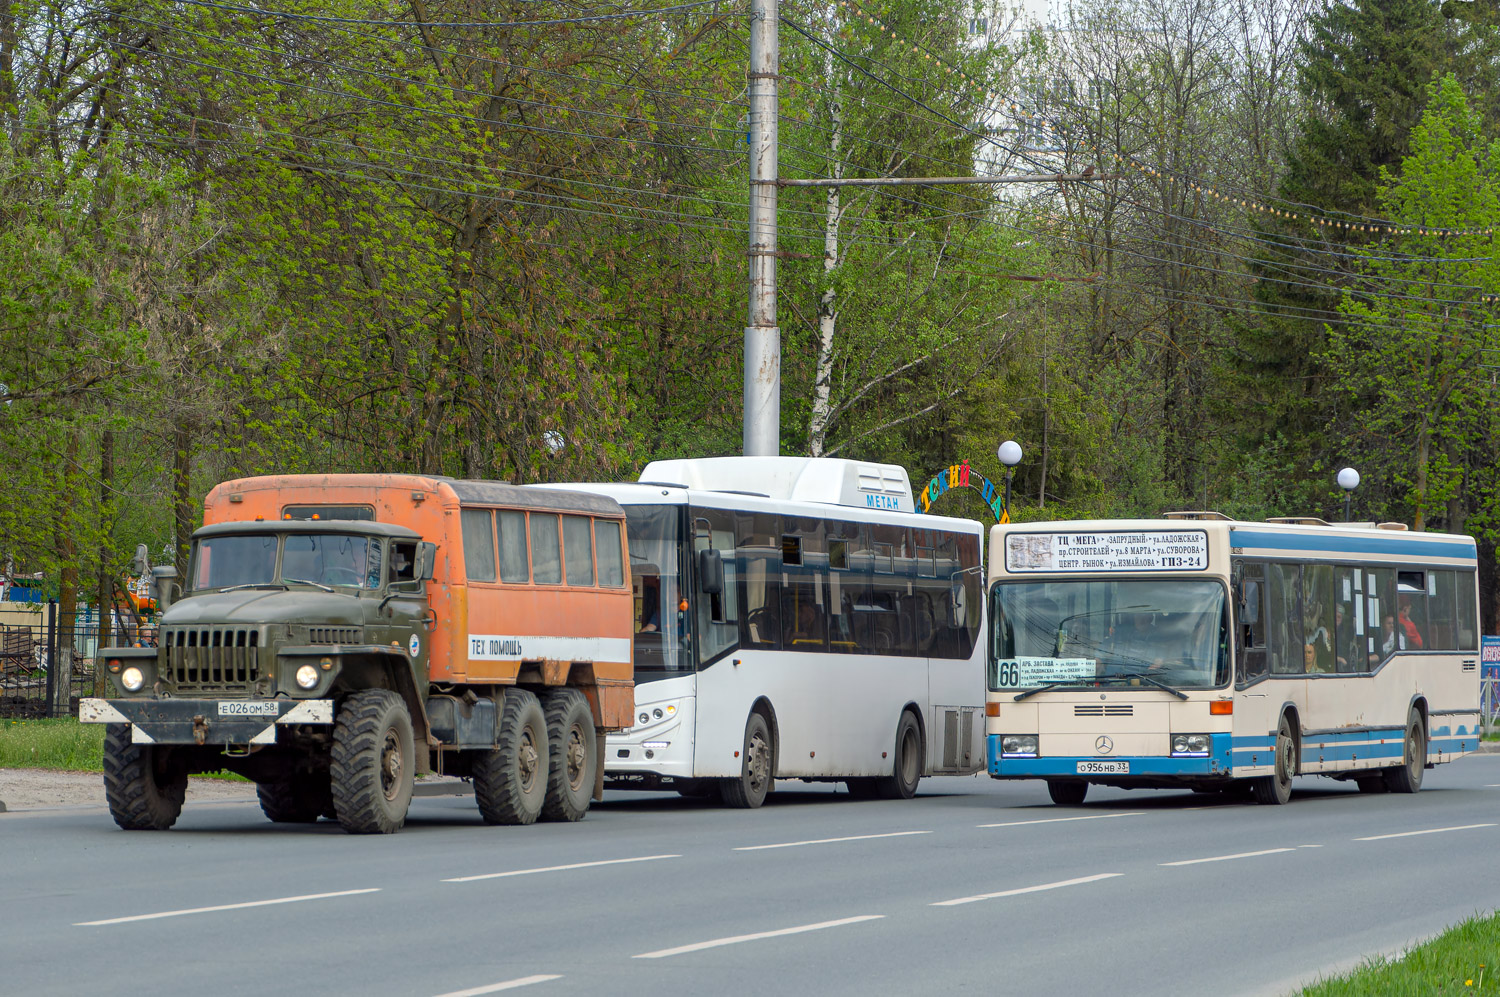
{"x": 1104, "y": 745}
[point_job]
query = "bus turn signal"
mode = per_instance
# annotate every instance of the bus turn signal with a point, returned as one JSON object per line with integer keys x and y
{"x": 1221, "y": 707}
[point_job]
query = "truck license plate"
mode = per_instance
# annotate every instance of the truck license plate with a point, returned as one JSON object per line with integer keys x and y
{"x": 1103, "y": 768}
{"x": 239, "y": 708}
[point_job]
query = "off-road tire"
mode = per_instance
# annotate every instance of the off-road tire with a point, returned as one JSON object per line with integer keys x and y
{"x": 1276, "y": 789}
{"x": 1407, "y": 777}
{"x": 510, "y": 781}
{"x": 373, "y": 763}
{"x": 757, "y": 767}
{"x": 144, "y": 784}
{"x": 906, "y": 766}
{"x": 300, "y": 798}
{"x": 571, "y": 756}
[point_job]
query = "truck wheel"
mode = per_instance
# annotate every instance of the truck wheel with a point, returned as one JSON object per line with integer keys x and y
{"x": 570, "y": 755}
{"x": 300, "y": 798}
{"x": 510, "y": 782}
{"x": 756, "y": 768}
{"x": 373, "y": 762}
{"x": 906, "y": 769}
{"x": 145, "y": 784}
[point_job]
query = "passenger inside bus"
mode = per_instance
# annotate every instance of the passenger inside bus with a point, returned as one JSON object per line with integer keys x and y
{"x": 1408, "y": 625}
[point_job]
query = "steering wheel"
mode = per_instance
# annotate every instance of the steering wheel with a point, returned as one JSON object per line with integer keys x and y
{"x": 341, "y": 576}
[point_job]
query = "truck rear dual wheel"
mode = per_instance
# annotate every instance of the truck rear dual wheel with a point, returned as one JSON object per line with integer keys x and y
{"x": 571, "y": 755}
{"x": 510, "y": 781}
{"x": 299, "y": 798}
{"x": 144, "y": 784}
{"x": 373, "y": 763}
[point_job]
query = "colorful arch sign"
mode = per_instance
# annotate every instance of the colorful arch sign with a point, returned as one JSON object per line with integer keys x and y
{"x": 960, "y": 476}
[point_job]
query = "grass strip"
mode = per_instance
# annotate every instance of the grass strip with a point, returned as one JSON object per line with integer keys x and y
{"x": 1462, "y": 960}
{"x": 60, "y": 743}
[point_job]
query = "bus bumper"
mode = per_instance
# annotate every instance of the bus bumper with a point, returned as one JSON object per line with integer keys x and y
{"x": 1128, "y": 768}
{"x": 205, "y": 721}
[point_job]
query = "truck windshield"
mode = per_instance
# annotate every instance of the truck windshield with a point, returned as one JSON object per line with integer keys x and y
{"x": 663, "y": 643}
{"x": 1108, "y": 633}
{"x": 324, "y": 559}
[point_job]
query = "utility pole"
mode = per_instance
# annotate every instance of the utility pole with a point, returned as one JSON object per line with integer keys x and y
{"x": 762, "y": 335}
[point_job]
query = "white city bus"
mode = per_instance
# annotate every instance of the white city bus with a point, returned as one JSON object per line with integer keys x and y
{"x": 1204, "y": 653}
{"x": 797, "y": 620}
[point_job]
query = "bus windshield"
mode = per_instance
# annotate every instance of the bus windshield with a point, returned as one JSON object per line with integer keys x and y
{"x": 663, "y": 645}
{"x": 1100, "y": 632}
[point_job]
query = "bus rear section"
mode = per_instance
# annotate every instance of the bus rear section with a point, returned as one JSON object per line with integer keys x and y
{"x": 1202, "y": 653}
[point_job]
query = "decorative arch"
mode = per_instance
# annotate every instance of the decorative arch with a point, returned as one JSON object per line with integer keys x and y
{"x": 961, "y": 476}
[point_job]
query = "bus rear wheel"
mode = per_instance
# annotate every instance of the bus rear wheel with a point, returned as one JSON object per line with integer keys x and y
{"x": 1277, "y": 787}
{"x": 756, "y": 768}
{"x": 1407, "y": 777}
{"x": 906, "y": 771}
{"x": 1067, "y": 792}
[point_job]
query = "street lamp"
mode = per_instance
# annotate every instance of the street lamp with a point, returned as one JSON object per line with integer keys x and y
{"x": 1010, "y": 455}
{"x": 1348, "y": 480}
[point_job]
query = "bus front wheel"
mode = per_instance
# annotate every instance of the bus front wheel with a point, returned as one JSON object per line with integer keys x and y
{"x": 1067, "y": 792}
{"x": 757, "y": 760}
{"x": 1277, "y": 787}
{"x": 1407, "y": 777}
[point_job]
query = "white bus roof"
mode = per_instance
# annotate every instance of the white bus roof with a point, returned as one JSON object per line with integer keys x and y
{"x": 827, "y": 480}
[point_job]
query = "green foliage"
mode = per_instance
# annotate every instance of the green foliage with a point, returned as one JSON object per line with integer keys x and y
{"x": 1459, "y": 961}
{"x": 63, "y": 743}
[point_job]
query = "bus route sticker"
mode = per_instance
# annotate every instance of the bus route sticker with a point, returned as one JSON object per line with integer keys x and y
{"x": 1135, "y": 550}
{"x": 1024, "y": 673}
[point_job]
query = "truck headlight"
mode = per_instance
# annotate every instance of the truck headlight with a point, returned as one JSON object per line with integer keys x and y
{"x": 132, "y": 679}
{"x": 1018, "y": 744}
{"x": 1190, "y": 744}
{"x": 307, "y": 676}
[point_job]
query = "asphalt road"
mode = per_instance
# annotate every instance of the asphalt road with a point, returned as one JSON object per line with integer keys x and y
{"x": 975, "y": 886}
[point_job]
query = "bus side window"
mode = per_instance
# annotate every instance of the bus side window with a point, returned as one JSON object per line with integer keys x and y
{"x": 1468, "y": 629}
{"x": 1442, "y": 605}
{"x": 1349, "y": 620}
{"x": 1250, "y": 630}
{"x": 758, "y": 565}
{"x": 717, "y": 612}
{"x": 1284, "y": 635}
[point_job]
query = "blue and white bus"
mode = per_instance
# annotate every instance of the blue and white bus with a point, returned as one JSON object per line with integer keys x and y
{"x": 797, "y": 619}
{"x": 1199, "y": 652}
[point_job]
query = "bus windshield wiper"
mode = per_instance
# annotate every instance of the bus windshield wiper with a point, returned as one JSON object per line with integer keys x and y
{"x": 255, "y": 585}
{"x": 309, "y": 581}
{"x": 1071, "y": 684}
{"x": 1151, "y": 681}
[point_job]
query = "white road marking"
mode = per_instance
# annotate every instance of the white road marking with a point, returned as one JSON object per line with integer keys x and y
{"x": 1027, "y": 889}
{"x": 1226, "y": 858}
{"x": 735, "y": 939}
{"x": 210, "y": 910}
{"x": 558, "y": 868}
{"x": 1059, "y": 820}
{"x": 829, "y": 841}
{"x": 1430, "y": 830}
{"x": 524, "y": 981}
{"x": 1309, "y": 846}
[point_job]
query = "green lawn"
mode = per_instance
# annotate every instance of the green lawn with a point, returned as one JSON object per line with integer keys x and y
{"x": 1462, "y": 960}
{"x": 61, "y": 743}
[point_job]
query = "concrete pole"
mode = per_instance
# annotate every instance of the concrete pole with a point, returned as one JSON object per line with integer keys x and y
{"x": 762, "y": 336}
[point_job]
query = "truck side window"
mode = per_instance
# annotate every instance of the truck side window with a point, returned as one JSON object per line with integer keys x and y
{"x": 546, "y": 555}
{"x": 479, "y": 545}
{"x": 611, "y": 564}
{"x": 513, "y": 563}
{"x": 578, "y": 550}
{"x": 403, "y": 562}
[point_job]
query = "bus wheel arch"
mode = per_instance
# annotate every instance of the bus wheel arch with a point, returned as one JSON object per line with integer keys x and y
{"x": 1276, "y": 788}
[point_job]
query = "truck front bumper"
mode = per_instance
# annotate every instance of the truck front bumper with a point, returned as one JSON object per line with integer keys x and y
{"x": 205, "y": 721}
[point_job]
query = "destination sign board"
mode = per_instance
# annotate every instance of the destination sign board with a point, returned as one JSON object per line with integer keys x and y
{"x": 1130, "y": 550}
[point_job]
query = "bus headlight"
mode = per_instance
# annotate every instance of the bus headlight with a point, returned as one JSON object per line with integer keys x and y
{"x": 1190, "y": 744}
{"x": 307, "y": 676}
{"x": 1018, "y": 745}
{"x": 132, "y": 679}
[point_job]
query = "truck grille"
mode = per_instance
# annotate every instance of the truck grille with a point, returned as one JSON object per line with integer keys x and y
{"x": 334, "y": 635}
{"x": 216, "y": 658}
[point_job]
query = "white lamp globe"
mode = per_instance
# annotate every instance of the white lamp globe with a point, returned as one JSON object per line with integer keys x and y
{"x": 1010, "y": 453}
{"x": 1348, "y": 479}
{"x": 553, "y": 441}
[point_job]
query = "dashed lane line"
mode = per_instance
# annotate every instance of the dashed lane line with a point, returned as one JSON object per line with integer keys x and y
{"x": 1227, "y": 858}
{"x": 1027, "y": 889}
{"x": 736, "y": 939}
{"x": 1430, "y": 830}
{"x": 558, "y": 868}
{"x": 829, "y": 841}
{"x": 494, "y": 988}
{"x": 1060, "y": 820}
{"x": 219, "y": 907}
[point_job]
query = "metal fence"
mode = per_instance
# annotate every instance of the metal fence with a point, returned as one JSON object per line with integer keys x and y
{"x": 29, "y": 684}
{"x": 1489, "y": 703}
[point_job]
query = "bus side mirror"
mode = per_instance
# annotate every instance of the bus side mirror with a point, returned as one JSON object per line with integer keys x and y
{"x": 1250, "y": 603}
{"x": 426, "y": 561}
{"x": 710, "y": 572}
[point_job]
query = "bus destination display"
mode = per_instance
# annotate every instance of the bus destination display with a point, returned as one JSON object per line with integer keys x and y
{"x": 1177, "y": 550}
